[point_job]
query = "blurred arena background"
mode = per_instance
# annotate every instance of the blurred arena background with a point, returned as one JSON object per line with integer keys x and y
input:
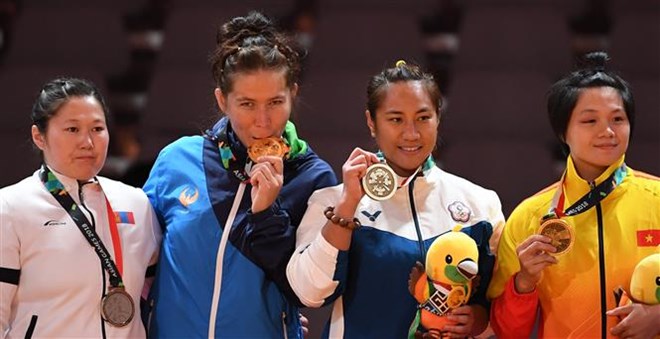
{"x": 494, "y": 61}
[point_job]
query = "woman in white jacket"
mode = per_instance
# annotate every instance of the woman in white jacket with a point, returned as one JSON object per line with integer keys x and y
{"x": 75, "y": 247}
{"x": 358, "y": 252}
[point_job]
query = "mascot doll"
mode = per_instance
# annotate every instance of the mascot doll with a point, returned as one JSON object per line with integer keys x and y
{"x": 445, "y": 283}
{"x": 644, "y": 283}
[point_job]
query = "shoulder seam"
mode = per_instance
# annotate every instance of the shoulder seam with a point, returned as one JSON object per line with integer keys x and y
{"x": 646, "y": 175}
{"x": 554, "y": 185}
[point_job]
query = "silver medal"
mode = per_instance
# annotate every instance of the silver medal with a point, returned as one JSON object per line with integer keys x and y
{"x": 380, "y": 182}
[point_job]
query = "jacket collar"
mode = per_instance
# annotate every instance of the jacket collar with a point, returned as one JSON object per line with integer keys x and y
{"x": 576, "y": 185}
{"x": 71, "y": 185}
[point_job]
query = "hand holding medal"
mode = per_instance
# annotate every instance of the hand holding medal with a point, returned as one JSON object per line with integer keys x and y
{"x": 353, "y": 170}
{"x": 557, "y": 229}
{"x": 267, "y": 175}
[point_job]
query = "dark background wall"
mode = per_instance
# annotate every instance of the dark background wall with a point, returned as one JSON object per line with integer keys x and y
{"x": 494, "y": 60}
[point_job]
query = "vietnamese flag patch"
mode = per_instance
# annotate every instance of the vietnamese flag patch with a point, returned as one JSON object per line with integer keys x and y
{"x": 125, "y": 218}
{"x": 647, "y": 238}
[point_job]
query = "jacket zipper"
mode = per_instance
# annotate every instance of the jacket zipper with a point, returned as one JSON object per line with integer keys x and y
{"x": 152, "y": 302}
{"x": 284, "y": 325}
{"x": 217, "y": 283}
{"x": 91, "y": 216}
{"x": 31, "y": 327}
{"x": 420, "y": 240}
{"x": 601, "y": 268}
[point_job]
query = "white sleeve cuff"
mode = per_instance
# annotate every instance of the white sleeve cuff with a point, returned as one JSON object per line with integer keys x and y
{"x": 311, "y": 271}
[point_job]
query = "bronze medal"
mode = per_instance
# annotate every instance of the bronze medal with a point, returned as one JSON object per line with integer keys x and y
{"x": 560, "y": 232}
{"x": 268, "y": 146}
{"x": 117, "y": 307}
{"x": 379, "y": 182}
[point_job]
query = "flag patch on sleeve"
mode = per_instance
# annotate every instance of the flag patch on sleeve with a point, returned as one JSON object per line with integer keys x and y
{"x": 125, "y": 218}
{"x": 646, "y": 238}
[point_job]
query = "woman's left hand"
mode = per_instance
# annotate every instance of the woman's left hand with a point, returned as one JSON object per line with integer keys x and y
{"x": 639, "y": 321}
{"x": 267, "y": 178}
{"x": 463, "y": 319}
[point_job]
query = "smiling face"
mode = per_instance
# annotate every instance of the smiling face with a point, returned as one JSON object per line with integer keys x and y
{"x": 405, "y": 126}
{"x": 598, "y": 131}
{"x": 75, "y": 142}
{"x": 258, "y": 105}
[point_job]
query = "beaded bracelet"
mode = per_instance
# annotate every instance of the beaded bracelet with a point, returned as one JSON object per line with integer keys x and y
{"x": 335, "y": 219}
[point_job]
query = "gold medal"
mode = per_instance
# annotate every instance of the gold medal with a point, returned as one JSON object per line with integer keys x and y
{"x": 560, "y": 232}
{"x": 380, "y": 182}
{"x": 456, "y": 297}
{"x": 117, "y": 307}
{"x": 268, "y": 146}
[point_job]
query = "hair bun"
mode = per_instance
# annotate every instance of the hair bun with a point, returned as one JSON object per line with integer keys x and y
{"x": 594, "y": 61}
{"x": 243, "y": 27}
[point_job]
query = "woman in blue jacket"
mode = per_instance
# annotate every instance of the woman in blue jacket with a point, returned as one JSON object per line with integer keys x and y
{"x": 230, "y": 219}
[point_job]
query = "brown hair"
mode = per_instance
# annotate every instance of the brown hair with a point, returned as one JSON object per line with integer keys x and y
{"x": 251, "y": 43}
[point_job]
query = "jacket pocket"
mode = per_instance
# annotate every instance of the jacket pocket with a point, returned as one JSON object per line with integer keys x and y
{"x": 31, "y": 327}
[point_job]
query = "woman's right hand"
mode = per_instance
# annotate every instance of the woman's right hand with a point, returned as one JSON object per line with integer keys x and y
{"x": 352, "y": 172}
{"x": 533, "y": 256}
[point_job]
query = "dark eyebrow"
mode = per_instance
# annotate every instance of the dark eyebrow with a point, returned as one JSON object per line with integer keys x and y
{"x": 591, "y": 110}
{"x": 421, "y": 110}
{"x": 245, "y": 98}
{"x": 77, "y": 120}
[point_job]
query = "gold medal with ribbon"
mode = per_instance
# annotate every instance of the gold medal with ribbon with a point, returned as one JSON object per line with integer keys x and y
{"x": 559, "y": 230}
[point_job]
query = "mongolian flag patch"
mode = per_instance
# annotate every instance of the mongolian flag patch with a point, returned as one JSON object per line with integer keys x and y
{"x": 125, "y": 218}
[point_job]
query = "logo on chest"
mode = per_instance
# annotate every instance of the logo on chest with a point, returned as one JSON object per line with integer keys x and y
{"x": 188, "y": 196}
{"x": 459, "y": 211}
{"x": 54, "y": 223}
{"x": 372, "y": 217}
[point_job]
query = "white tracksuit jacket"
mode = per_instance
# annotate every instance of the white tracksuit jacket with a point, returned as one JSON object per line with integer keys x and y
{"x": 51, "y": 280}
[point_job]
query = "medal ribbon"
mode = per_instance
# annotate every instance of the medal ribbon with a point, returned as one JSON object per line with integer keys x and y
{"x": 227, "y": 156}
{"x": 233, "y": 154}
{"x": 60, "y": 194}
{"x": 589, "y": 200}
{"x": 428, "y": 163}
{"x": 116, "y": 240}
